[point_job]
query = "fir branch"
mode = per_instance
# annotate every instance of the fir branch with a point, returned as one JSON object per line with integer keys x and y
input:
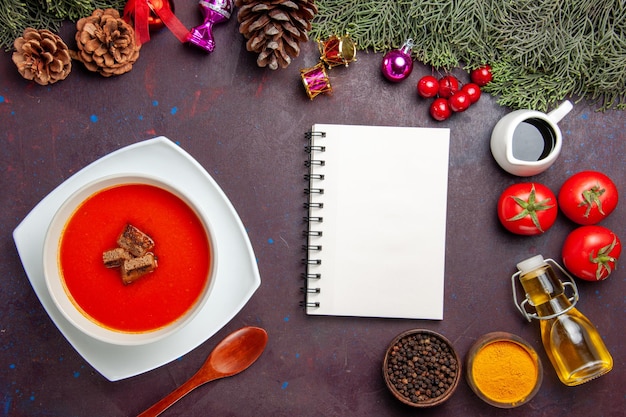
{"x": 541, "y": 51}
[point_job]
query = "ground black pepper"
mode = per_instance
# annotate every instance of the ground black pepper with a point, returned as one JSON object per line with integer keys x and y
{"x": 421, "y": 367}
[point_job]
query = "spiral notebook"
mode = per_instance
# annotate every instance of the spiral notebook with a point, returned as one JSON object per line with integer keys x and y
{"x": 376, "y": 221}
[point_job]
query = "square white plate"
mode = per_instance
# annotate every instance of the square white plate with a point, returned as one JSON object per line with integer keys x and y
{"x": 237, "y": 276}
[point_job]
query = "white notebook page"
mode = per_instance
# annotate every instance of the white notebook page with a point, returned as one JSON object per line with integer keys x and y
{"x": 384, "y": 222}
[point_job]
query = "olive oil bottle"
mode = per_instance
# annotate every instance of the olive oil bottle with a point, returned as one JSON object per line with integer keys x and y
{"x": 571, "y": 341}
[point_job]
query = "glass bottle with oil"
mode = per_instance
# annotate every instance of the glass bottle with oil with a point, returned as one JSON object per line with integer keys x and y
{"x": 571, "y": 341}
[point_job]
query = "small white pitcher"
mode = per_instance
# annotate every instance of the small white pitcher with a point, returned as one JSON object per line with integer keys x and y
{"x": 527, "y": 142}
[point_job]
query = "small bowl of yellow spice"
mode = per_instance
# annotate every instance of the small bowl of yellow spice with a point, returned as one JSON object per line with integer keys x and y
{"x": 503, "y": 370}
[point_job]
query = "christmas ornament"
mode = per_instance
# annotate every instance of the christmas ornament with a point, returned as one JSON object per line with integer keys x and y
{"x": 473, "y": 91}
{"x": 481, "y": 76}
{"x": 315, "y": 80}
{"x": 149, "y": 15}
{"x": 334, "y": 51}
{"x": 154, "y": 21}
{"x": 440, "y": 109}
{"x": 448, "y": 86}
{"x": 41, "y": 56}
{"x": 459, "y": 102}
{"x": 337, "y": 50}
{"x": 275, "y": 28}
{"x": 397, "y": 64}
{"x": 451, "y": 97}
{"x": 213, "y": 12}
{"x": 106, "y": 43}
{"x": 428, "y": 86}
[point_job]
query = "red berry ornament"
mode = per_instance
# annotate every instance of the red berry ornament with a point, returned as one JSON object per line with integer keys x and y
{"x": 459, "y": 102}
{"x": 473, "y": 91}
{"x": 428, "y": 86}
{"x": 448, "y": 85}
{"x": 481, "y": 76}
{"x": 440, "y": 109}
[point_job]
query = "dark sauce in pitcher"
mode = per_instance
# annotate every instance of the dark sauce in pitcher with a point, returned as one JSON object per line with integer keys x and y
{"x": 533, "y": 140}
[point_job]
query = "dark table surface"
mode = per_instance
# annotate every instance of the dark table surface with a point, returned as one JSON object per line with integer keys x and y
{"x": 245, "y": 126}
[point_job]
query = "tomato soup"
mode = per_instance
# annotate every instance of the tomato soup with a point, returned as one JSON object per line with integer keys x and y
{"x": 156, "y": 299}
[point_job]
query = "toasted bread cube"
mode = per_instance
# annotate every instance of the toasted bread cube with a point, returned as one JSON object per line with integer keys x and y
{"x": 133, "y": 269}
{"x": 135, "y": 241}
{"x": 115, "y": 258}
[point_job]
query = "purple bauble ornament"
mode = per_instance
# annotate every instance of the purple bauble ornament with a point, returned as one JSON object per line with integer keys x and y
{"x": 213, "y": 12}
{"x": 397, "y": 64}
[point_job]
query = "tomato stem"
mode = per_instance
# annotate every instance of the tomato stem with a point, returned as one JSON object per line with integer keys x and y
{"x": 531, "y": 207}
{"x": 591, "y": 197}
{"x": 603, "y": 259}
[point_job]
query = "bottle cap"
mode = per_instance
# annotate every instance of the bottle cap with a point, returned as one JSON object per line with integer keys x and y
{"x": 529, "y": 264}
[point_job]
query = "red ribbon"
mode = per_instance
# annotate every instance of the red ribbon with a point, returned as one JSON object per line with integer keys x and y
{"x": 141, "y": 13}
{"x": 173, "y": 24}
{"x": 140, "y": 16}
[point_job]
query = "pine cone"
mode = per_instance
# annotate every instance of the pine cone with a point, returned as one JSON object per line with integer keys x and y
{"x": 42, "y": 56}
{"x": 275, "y": 28}
{"x": 106, "y": 43}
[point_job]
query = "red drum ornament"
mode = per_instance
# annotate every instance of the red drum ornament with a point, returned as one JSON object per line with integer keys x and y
{"x": 397, "y": 64}
{"x": 337, "y": 50}
{"x": 315, "y": 80}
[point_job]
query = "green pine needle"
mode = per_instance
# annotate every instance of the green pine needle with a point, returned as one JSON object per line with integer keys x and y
{"x": 541, "y": 51}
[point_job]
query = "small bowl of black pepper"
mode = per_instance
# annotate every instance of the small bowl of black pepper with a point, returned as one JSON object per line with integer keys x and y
{"x": 421, "y": 368}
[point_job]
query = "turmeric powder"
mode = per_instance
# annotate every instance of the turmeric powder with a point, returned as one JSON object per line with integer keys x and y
{"x": 505, "y": 372}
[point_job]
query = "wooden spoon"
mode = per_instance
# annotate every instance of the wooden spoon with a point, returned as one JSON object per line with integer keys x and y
{"x": 232, "y": 355}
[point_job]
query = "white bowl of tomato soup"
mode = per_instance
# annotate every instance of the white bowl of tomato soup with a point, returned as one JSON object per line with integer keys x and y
{"x": 171, "y": 278}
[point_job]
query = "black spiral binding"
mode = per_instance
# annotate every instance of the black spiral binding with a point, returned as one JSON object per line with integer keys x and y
{"x": 312, "y": 221}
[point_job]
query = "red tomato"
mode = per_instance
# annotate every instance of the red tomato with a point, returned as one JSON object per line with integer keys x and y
{"x": 527, "y": 208}
{"x": 460, "y": 101}
{"x": 440, "y": 109}
{"x": 591, "y": 252}
{"x": 448, "y": 85}
{"x": 481, "y": 76}
{"x": 473, "y": 90}
{"x": 587, "y": 197}
{"x": 427, "y": 86}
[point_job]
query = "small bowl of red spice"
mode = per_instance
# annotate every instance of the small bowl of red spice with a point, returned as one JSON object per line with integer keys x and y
{"x": 421, "y": 368}
{"x": 503, "y": 370}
